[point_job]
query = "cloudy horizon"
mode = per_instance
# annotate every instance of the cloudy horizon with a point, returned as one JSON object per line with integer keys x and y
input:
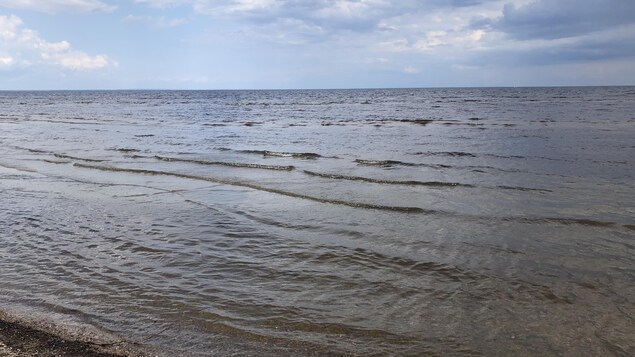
{"x": 258, "y": 44}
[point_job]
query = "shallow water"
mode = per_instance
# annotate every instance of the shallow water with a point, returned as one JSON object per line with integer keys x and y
{"x": 370, "y": 222}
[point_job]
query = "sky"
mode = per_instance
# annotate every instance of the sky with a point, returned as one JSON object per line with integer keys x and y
{"x": 259, "y": 44}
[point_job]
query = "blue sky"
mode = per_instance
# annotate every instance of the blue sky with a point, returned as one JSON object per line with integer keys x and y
{"x": 232, "y": 44}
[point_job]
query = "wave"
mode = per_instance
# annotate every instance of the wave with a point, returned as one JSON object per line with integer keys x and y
{"x": 58, "y": 155}
{"x": 388, "y": 182}
{"x": 518, "y": 188}
{"x": 35, "y": 151}
{"x": 563, "y": 221}
{"x": 124, "y": 150}
{"x": 292, "y": 103}
{"x": 16, "y": 167}
{"x": 297, "y": 155}
{"x": 57, "y": 162}
{"x": 414, "y": 182}
{"x": 252, "y": 123}
{"x": 260, "y": 188}
{"x": 384, "y": 163}
{"x": 445, "y": 153}
{"x": 362, "y": 205}
{"x": 391, "y": 163}
{"x": 64, "y": 156}
{"x": 223, "y": 163}
{"x": 423, "y": 122}
{"x": 300, "y": 227}
{"x": 474, "y": 168}
{"x": 472, "y": 155}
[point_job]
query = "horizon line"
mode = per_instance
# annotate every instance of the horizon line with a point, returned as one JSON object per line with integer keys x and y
{"x": 311, "y": 89}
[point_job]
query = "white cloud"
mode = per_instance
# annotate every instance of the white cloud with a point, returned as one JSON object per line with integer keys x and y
{"x": 378, "y": 60}
{"x": 54, "y": 6}
{"x": 346, "y": 9}
{"x": 28, "y": 48}
{"x": 399, "y": 36}
{"x": 398, "y": 45}
{"x": 410, "y": 70}
{"x": 286, "y": 31}
{"x": 6, "y": 61}
{"x": 218, "y": 7}
{"x": 158, "y": 21}
{"x": 249, "y": 5}
{"x": 163, "y": 4}
{"x": 237, "y": 7}
{"x": 76, "y": 60}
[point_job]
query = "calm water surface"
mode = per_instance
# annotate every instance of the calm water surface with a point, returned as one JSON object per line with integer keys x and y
{"x": 336, "y": 222}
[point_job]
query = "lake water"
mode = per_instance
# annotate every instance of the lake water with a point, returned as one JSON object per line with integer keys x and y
{"x": 398, "y": 222}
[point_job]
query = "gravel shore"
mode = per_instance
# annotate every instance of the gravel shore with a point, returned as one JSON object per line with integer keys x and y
{"x": 20, "y": 340}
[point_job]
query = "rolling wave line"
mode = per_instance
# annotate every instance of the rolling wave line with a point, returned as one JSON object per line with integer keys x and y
{"x": 260, "y": 188}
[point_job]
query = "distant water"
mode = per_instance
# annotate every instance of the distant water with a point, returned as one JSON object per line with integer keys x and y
{"x": 327, "y": 222}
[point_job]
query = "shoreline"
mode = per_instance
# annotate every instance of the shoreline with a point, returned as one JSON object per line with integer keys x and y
{"x": 20, "y": 339}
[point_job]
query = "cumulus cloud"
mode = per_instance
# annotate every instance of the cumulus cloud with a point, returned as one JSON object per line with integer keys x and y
{"x": 76, "y": 60}
{"x": 25, "y": 47}
{"x": 54, "y": 6}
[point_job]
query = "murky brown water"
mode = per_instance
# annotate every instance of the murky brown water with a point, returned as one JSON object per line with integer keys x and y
{"x": 369, "y": 222}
